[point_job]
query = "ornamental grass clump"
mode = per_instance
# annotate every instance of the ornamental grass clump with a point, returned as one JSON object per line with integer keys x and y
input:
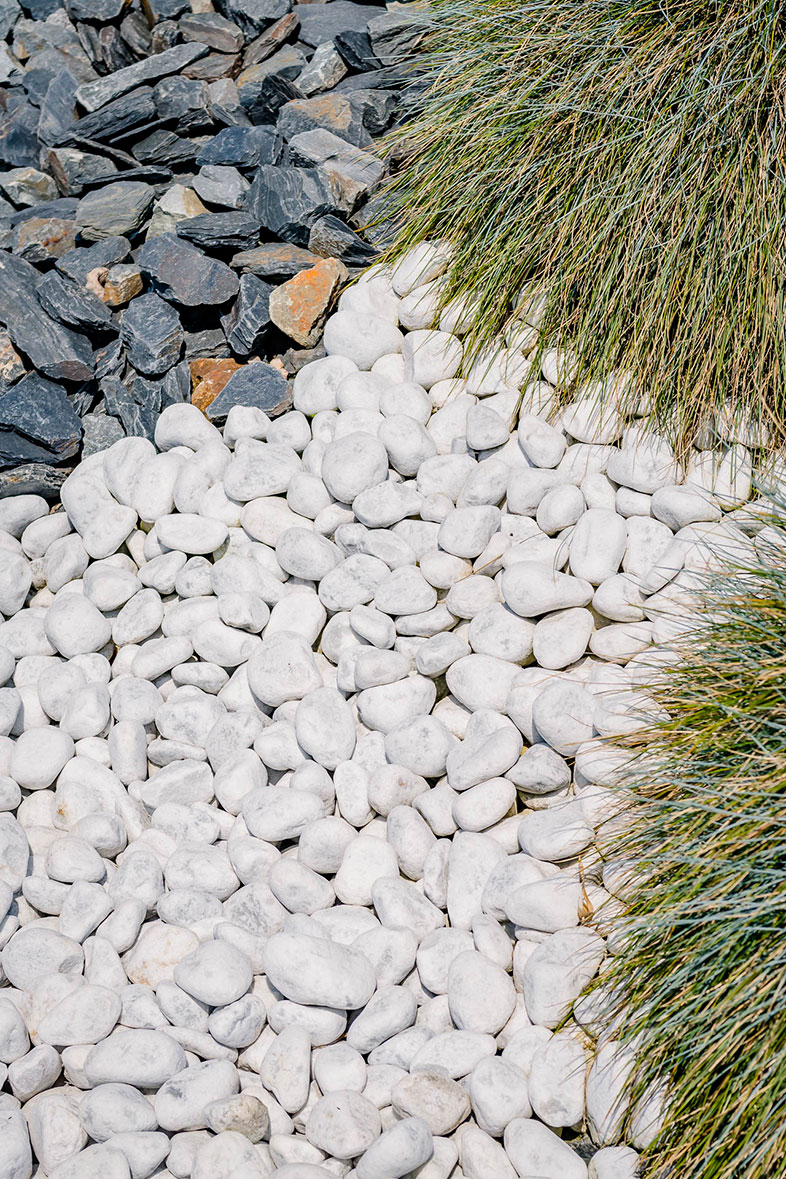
{"x": 699, "y": 977}
{"x": 628, "y": 158}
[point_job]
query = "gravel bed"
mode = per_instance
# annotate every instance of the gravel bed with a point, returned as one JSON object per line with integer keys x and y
{"x": 307, "y": 736}
{"x": 178, "y": 185}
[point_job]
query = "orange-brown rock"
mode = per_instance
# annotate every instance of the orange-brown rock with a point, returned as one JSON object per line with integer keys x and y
{"x": 11, "y": 366}
{"x": 211, "y": 380}
{"x": 300, "y": 305}
{"x": 122, "y": 283}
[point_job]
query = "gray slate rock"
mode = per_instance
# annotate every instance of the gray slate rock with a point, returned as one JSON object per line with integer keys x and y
{"x": 73, "y": 305}
{"x": 274, "y": 260}
{"x": 33, "y": 479}
{"x": 323, "y": 22}
{"x": 257, "y": 385}
{"x": 113, "y": 120}
{"x": 220, "y": 231}
{"x": 94, "y": 95}
{"x": 242, "y": 147}
{"x": 185, "y": 275}
{"x": 98, "y": 11}
{"x": 116, "y": 210}
{"x": 58, "y": 108}
{"x": 332, "y": 112}
{"x": 331, "y": 238}
{"x": 245, "y": 325}
{"x": 78, "y": 263}
{"x": 252, "y": 16}
{"x": 100, "y": 432}
{"x": 40, "y": 411}
{"x": 288, "y": 201}
{"x": 55, "y": 350}
{"x": 152, "y": 334}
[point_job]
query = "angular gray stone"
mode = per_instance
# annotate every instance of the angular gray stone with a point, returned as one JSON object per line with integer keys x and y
{"x": 53, "y": 349}
{"x": 184, "y": 274}
{"x": 152, "y": 334}
{"x": 258, "y": 385}
{"x": 246, "y": 323}
{"x": 114, "y": 210}
{"x": 93, "y": 95}
{"x": 73, "y": 305}
{"x": 288, "y": 201}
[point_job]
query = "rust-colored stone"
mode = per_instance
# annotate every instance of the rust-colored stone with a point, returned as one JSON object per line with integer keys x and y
{"x": 212, "y": 381}
{"x": 11, "y": 366}
{"x": 39, "y": 239}
{"x": 300, "y": 305}
{"x": 123, "y": 282}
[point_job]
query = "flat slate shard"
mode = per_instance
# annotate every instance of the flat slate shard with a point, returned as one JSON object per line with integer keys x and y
{"x": 152, "y": 334}
{"x": 73, "y": 169}
{"x": 330, "y": 111}
{"x": 298, "y": 307}
{"x": 210, "y": 28}
{"x": 288, "y": 201}
{"x": 354, "y": 172}
{"x": 355, "y": 47}
{"x": 242, "y": 147}
{"x": 185, "y": 100}
{"x": 94, "y": 95}
{"x": 79, "y": 262}
{"x": 138, "y": 417}
{"x": 253, "y": 16}
{"x": 114, "y": 120}
{"x": 94, "y": 10}
{"x": 43, "y": 238}
{"x": 165, "y": 147}
{"x": 40, "y": 412}
{"x": 18, "y": 139}
{"x": 58, "y": 109}
{"x": 396, "y": 35}
{"x": 267, "y": 98}
{"x": 220, "y": 231}
{"x": 116, "y": 210}
{"x": 54, "y": 349}
{"x": 256, "y": 384}
{"x": 332, "y": 238}
{"x": 245, "y": 325}
{"x": 272, "y": 260}
{"x": 100, "y": 432}
{"x": 323, "y": 22}
{"x": 183, "y": 274}
{"x": 73, "y": 305}
{"x": 33, "y": 478}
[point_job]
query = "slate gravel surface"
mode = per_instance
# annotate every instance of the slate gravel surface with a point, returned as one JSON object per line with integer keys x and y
{"x": 165, "y": 167}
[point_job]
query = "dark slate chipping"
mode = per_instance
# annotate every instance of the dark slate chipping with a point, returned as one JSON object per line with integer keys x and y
{"x": 152, "y": 334}
{"x": 54, "y": 349}
{"x": 184, "y": 274}
{"x": 245, "y": 325}
{"x": 39, "y": 411}
{"x": 254, "y": 384}
{"x": 178, "y": 173}
{"x": 73, "y": 305}
{"x": 289, "y": 200}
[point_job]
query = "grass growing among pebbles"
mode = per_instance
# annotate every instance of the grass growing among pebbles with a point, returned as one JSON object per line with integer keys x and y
{"x": 630, "y": 157}
{"x": 702, "y": 979}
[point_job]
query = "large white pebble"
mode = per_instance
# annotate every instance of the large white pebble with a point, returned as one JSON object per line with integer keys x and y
{"x": 134, "y": 1056}
{"x": 318, "y": 973}
{"x": 481, "y": 995}
{"x": 404, "y": 1147}
{"x": 361, "y": 338}
{"x": 343, "y": 1124}
{"x": 75, "y": 627}
{"x": 325, "y": 727}
{"x": 535, "y": 1150}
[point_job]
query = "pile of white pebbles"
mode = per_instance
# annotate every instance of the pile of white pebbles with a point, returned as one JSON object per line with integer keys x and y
{"x": 301, "y": 767}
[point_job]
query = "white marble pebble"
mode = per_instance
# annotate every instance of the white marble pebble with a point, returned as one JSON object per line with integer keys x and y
{"x": 301, "y": 726}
